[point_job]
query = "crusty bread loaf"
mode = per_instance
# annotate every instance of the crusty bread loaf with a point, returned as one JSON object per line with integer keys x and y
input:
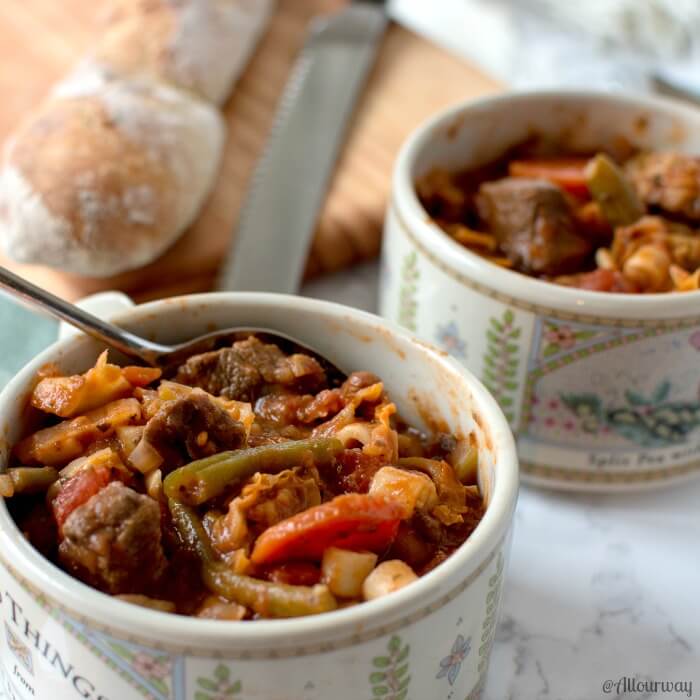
{"x": 117, "y": 162}
{"x": 105, "y": 176}
{"x": 197, "y": 45}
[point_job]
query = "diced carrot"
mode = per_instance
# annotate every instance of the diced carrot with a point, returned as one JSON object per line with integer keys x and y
{"x": 353, "y": 521}
{"x": 567, "y": 173}
{"x": 79, "y": 489}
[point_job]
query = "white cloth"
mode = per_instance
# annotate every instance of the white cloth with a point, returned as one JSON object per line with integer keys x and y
{"x": 610, "y": 44}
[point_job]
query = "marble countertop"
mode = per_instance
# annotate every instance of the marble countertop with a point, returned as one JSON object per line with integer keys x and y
{"x": 600, "y": 588}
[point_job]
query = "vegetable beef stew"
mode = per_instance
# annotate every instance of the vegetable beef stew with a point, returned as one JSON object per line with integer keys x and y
{"x": 627, "y": 224}
{"x": 252, "y": 483}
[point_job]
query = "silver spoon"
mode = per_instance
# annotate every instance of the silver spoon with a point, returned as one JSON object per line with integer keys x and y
{"x": 154, "y": 354}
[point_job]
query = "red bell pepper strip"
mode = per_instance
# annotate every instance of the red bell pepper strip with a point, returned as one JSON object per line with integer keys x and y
{"x": 353, "y": 521}
{"x": 567, "y": 173}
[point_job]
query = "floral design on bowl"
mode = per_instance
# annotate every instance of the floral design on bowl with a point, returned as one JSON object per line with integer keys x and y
{"x": 451, "y": 665}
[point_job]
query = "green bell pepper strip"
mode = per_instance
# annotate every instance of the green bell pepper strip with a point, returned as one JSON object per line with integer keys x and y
{"x": 614, "y": 193}
{"x": 27, "y": 480}
{"x": 267, "y": 598}
{"x": 204, "y": 479}
{"x": 263, "y": 597}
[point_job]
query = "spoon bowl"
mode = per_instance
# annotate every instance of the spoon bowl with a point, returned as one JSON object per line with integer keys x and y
{"x": 164, "y": 357}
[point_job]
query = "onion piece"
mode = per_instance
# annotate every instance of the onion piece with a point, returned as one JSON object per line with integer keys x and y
{"x": 154, "y": 484}
{"x": 129, "y": 437}
{"x": 465, "y": 461}
{"x": 145, "y": 458}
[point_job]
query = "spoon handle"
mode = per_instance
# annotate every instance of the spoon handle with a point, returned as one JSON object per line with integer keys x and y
{"x": 128, "y": 343}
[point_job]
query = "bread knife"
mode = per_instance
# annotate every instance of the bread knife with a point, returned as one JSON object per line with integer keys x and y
{"x": 270, "y": 247}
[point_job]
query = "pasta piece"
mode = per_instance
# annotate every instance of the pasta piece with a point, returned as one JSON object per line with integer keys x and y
{"x": 61, "y": 443}
{"x": 105, "y": 457}
{"x": 451, "y": 493}
{"x": 170, "y": 391}
{"x": 470, "y": 238}
{"x": 385, "y": 440}
{"x": 344, "y": 571}
{"x": 70, "y": 396}
{"x": 648, "y": 268}
{"x": 377, "y": 439}
{"x": 368, "y": 394}
{"x": 684, "y": 281}
{"x": 681, "y": 242}
{"x": 355, "y": 432}
{"x": 411, "y": 490}
{"x": 388, "y": 577}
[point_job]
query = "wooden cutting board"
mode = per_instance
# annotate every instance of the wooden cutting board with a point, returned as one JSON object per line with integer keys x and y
{"x": 42, "y": 39}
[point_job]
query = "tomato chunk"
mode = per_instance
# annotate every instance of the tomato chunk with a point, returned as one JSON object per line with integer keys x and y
{"x": 79, "y": 489}
{"x": 567, "y": 173}
{"x": 353, "y": 521}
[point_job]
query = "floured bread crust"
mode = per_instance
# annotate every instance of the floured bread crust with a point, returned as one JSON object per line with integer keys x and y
{"x": 196, "y": 45}
{"x": 116, "y": 163}
{"x": 105, "y": 176}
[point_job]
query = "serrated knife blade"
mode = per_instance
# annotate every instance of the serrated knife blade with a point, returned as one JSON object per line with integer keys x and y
{"x": 272, "y": 240}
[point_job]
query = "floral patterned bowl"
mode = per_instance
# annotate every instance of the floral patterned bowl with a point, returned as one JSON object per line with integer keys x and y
{"x": 601, "y": 390}
{"x": 432, "y": 640}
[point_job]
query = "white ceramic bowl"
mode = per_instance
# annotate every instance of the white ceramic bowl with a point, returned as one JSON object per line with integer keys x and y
{"x": 63, "y": 640}
{"x": 600, "y": 389}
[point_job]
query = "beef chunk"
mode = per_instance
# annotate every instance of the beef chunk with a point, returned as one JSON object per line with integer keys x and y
{"x": 670, "y": 181}
{"x": 533, "y": 224}
{"x": 113, "y": 542}
{"x": 241, "y": 371}
{"x": 293, "y": 409}
{"x": 193, "y": 426}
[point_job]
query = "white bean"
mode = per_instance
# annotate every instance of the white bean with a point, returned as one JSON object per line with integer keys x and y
{"x": 344, "y": 571}
{"x": 388, "y": 577}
